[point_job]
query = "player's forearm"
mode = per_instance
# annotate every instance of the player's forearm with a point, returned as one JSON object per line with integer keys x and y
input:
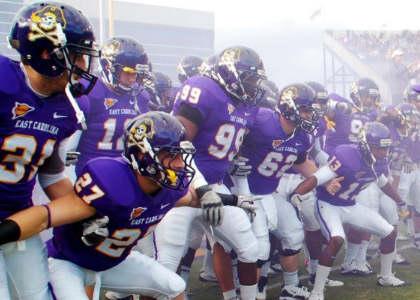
{"x": 306, "y": 186}
{"x": 24, "y": 224}
{"x": 392, "y": 193}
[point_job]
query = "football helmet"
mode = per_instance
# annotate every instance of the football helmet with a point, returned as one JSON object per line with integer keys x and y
{"x": 374, "y": 134}
{"x": 270, "y": 94}
{"x": 50, "y": 37}
{"x": 412, "y": 93}
{"x": 297, "y": 103}
{"x": 151, "y": 134}
{"x": 122, "y": 54}
{"x": 365, "y": 93}
{"x": 240, "y": 70}
{"x": 321, "y": 96}
{"x": 410, "y": 115}
{"x": 162, "y": 86}
{"x": 188, "y": 67}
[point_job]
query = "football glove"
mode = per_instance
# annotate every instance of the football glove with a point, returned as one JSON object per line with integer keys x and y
{"x": 95, "y": 231}
{"x": 212, "y": 205}
{"x": 72, "y": 157}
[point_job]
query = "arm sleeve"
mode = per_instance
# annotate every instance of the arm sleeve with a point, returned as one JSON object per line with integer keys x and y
{"x": 73, "y": 141}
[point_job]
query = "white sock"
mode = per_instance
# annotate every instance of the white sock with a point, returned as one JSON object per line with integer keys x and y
{"x": 248, "y": 292}
{"x": 386, "y": 264}
{"x": 361, "y": 257}
{"x": 321, "y": 276}
{"x": 351, "y": 252}
{"x": 229, "y": 295}
{"x": 410, "y": 226}
{"x": 291, "y": 278}
{"x": 313, "y": 264}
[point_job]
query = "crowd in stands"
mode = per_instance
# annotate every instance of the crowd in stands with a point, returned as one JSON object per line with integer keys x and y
{"x": 395, "y": 55}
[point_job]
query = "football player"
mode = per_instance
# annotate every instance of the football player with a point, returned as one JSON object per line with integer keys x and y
{"x": 357, "y": 166}
{"x": 216, "y": 112}
{"x": 116, "y": 99}
{"x": 189, "y": 66}
{"x": 126, "y": 197}
{"x": 38, "y": 113}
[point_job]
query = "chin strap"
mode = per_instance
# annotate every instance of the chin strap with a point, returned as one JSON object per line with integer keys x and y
{"x": 80, "y": 116}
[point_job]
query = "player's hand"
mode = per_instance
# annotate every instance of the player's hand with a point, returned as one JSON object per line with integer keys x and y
{"x": 212, "y": 205}
{"x": 240, "y": 166}
{"x": 247, "y": 203}
{"x": 95, "y": 231}
{"x": 72, "y": 158}
{"x": 334, "y": 185}
{"x": 296, "y": 200}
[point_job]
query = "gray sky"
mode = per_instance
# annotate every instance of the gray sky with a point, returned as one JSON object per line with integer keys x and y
{"x": 288, "y": 33}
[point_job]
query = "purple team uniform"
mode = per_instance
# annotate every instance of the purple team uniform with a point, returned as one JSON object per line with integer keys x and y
{"x": 223, "y": 128}
{"x": 347, "y": 161}
{"x": 107, "y": 113}
{"x": 271, "y": 152}
{"x": 347, "y": 126}
{"x": 114, "y": 192}
{"x": 31, "y": 129}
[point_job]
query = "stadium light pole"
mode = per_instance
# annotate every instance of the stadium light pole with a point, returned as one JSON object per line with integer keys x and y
{"x": 101, "y": 22}
{"x": 110, "y": 18}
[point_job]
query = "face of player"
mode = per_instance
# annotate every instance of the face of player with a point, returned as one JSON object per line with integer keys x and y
{"x": 380, "y": 152}
{"x": 171, "y": 161}
{"x": 369, "y": 101}
{"x": 128, "y": 79}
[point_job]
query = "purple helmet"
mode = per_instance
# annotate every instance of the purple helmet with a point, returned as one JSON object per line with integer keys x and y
{"x": 124, "y": 54}
{"x": 240, "y": 70}
{"x": 321, "y": 96}
{"x": 296, "y": 100}
{"x": 50, "y": 36}
{"x": 412, "y": 93}
{"x": 374, "y": 134}
{"x": 270, "y": 94}
{"x": 146, "y": 137}
{"x": 363, "y": 88}
{"x": 188, "y": 67}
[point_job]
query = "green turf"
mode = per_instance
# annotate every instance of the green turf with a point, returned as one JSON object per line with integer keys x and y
{"x": 355, "y": 288}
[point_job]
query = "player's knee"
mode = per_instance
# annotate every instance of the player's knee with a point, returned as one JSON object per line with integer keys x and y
{"x": 248, "y": 254}
{"x": 336, "y": 242}
{"x": 294, "y": 241}
{"x": 173, "y": 287}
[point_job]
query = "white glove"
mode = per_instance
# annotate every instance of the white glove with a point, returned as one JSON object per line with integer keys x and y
{"x": 240, "y": 166}
{"x": 212, "y": 206}
{"x": 247, "y": 203}
{"x": 296, "y": 200}
{"x": 95, "y": 231}
{"x": 72, "y": 158}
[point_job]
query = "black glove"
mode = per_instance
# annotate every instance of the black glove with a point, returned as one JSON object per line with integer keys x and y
{"x": 71, "y": 158}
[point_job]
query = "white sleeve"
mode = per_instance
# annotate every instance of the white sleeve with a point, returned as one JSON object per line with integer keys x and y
{"x": 382, "y": 180}
{"x": 324, "y": 174}
{"x": 73, "y": 141}
{"x": 198, "y": 179}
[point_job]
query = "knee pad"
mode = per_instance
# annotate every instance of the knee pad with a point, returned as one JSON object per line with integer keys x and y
{"x": 289, "y": 252}
{"x": 249, "y": 254}
{"x": 175, "y": 285}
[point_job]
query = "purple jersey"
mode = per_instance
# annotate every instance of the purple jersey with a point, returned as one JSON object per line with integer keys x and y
{"x": 347, "y": 127}
{"x": 271, "y": 152}
{"x": 347, "y": 161}
{"x": 31, "y": 129}
{"x": 223, "y": 127}
{"x": 107, "y": 114}
{"x": 111, "y": 187}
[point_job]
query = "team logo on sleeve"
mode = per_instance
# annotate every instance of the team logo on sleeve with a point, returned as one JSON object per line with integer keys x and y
{"x": 109, "y": 102}
{"x": 136, "y": 212}
{"x": 44, "y": 24}
{"x": 21, "y": 109}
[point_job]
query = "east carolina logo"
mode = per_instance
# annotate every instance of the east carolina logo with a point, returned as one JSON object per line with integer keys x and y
{"x": 21, "y": 109}
{"x": 277, "y": 143}
{"x": 44, "y": 24}
{"x": 136, "y": 212}
{"x": 109, "y": 102}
